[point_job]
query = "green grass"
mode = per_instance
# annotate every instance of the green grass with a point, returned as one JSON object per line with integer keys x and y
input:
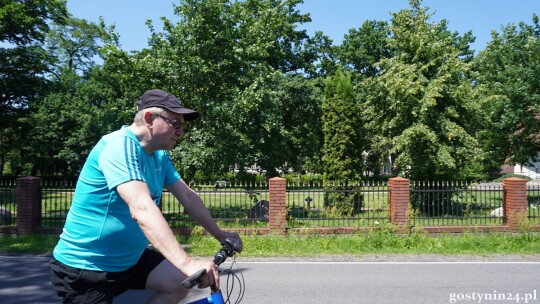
{"x": 377, "y": 242}
{"x": 385, "y": 243}
{"x": 28, "y": 244}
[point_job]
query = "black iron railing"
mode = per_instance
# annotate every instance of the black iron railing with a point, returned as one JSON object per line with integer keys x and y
{"x": 309, "y": 205}
{"x": 456, "y": 204}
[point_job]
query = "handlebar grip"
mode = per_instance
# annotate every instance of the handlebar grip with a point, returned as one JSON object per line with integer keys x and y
{"x": 193, "y": 279}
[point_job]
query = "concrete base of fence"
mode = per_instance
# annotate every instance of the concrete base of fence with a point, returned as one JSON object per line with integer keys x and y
{"x": 11, "y": 230}
{"x": 329, "y": 230}
{"x": 464, "y": 229}
{"x": 242, "y": 231}
{"x": 357, "y": 230}
{"x": 8, "y": 230}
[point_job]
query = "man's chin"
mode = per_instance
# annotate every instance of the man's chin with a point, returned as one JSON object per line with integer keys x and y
{"x": 171, "y": 146}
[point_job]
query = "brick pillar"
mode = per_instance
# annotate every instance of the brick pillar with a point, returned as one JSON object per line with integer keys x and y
{"x": 400, "y": 194}
{"x": 28, "y": 198}
{"x": 515, "y": 202}
{"x": 277, "y": 211}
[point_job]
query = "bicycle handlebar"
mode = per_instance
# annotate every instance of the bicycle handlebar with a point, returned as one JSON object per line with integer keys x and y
{"x": 230, "y": 247}
{"x": 193, "y": 279}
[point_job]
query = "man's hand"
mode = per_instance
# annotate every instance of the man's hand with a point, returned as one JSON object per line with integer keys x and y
{"x": 210, "y": 276}
{"x": 224, "y": 235}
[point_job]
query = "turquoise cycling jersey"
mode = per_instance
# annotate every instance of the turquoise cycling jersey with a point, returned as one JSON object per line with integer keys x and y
{"x": 99, "y": 233}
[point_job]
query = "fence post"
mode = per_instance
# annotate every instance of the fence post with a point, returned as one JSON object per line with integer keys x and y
{"x": 400, "y": 195}
{"x": 515, "y": 202}
{"x": 277, "y": 210}
{"x": 28, "y": 198}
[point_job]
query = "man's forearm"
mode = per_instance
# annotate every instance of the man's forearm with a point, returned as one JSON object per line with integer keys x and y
{"x": 196, "y": 209}
{"x": 201, "y": 214}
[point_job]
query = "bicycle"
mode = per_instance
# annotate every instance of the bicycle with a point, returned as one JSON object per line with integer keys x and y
{"x": 230, "y": 248}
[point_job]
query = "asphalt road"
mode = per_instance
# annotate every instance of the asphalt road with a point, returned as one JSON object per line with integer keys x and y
{"x": 369, "y": 279}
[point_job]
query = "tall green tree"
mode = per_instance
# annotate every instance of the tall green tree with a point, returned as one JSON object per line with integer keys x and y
{"x": 199, "y": 59}
{"x": 362, "y": 48}
{"x": 301, "y": 101}
{"x": 23, "y": 22}
{"x": 509, "y": 76}
{"x": 342, "y": 129}
{"x": 228, "y": 59}
{"x": 23, "y": 66}
{"x": 74, "y": 45}
{"x": 82, "y": 103}
{"x": 343, "y": 144}
{"x": 422, "y": 108}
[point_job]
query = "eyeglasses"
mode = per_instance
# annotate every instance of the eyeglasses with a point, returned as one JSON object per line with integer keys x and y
{"x": 175, "y": 123}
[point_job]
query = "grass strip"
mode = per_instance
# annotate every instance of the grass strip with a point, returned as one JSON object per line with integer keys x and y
{"x": 377, "y": 242}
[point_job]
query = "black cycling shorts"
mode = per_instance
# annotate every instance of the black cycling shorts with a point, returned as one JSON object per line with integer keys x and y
{"x": 87, "y": 286}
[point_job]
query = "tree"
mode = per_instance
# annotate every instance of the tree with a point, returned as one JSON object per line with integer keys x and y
{"x": 23, "y": 21}
{"x": 74, "y": 45}
{"x": 23, "y": 65}
{"x": 270, "y": 35}
{"x": 362, "y": 48}
{"x": 67, "y": 124}
{"x": 84, "y": 101}
{"x": 342, "y": 148}
{"x": 422, "y": 107}
{"x": 199, "y": 60}
{"x": 228, "y": 59}
{"x": 509, "y": 76}
{"x": 322, "y": 54}
{"x": 301, "y": 120}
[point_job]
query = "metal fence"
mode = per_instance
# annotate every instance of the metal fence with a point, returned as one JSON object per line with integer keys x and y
{"x": 56, "y": 197}
{"x": 232, "y": 205}
{"x": 533, "y": 200}
{"x": 8, "y": 208}
{"x": 456, "y": 204}
{"x": 315, "y": 205}
{"x": 308, "y": 205}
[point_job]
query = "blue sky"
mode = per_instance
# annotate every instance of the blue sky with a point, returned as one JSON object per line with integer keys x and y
{"x": 332, "y": 17}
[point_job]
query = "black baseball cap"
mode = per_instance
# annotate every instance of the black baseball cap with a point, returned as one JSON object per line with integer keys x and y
{"x": 162, "y": 99}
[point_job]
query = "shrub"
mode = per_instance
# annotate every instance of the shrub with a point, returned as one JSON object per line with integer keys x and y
{"x": 343, "y": 200}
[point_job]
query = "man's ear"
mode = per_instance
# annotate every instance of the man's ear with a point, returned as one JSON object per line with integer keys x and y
{"x": 148, "y": 118}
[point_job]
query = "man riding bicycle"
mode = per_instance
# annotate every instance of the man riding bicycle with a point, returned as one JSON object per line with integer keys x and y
{"x": 103, "y": 249}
